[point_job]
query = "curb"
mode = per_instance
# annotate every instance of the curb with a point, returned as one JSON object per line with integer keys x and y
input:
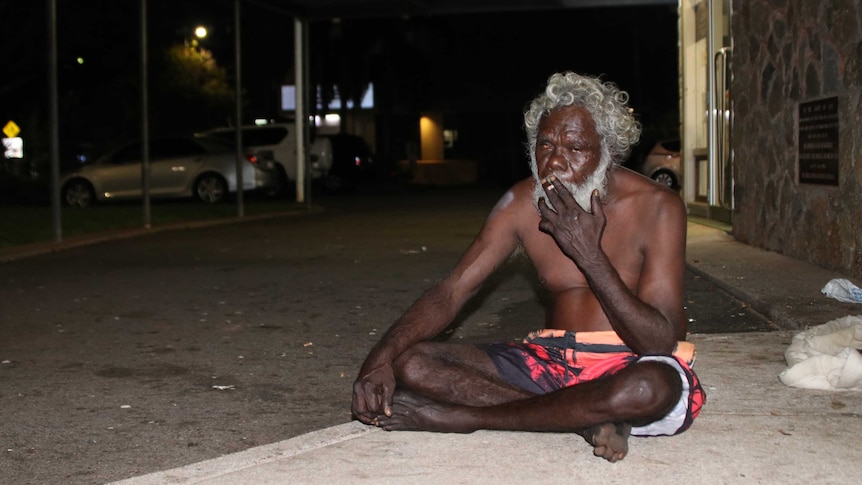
{"x": 15, "y": 253}
{"x": 259, "y": 455}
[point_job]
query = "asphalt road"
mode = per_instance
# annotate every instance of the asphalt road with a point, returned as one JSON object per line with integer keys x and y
{"x": 137, "y": 355}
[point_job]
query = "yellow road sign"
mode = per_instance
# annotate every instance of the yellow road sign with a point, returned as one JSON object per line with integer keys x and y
{"x": 11, "y": 130}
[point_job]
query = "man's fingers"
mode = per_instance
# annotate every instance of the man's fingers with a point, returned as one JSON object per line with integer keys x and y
{"x": 596, "y": 205}
{"x": 388, "y": 393}
{"x": 359, "y": 405}
{"x": 544, "y": 210}
{"x": 552, "y": 190}
{"x": 362, "y": 408}
{"x": 558, "y": 195}
{"x": 365, "y": 418}
{"x": 367, "y": 399}
{"x": 545, "y": 224}
{"x": 379, "y": 399}
{"x": 373, "y": 393}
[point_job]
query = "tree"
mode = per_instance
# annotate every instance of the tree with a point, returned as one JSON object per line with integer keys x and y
{"x": 190, "y": 91}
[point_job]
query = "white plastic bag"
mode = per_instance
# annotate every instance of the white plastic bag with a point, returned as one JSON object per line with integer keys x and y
{"x": 826, "y": 357}
{"x": 843, "y": 290}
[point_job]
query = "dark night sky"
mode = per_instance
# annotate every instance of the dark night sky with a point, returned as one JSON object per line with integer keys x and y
{"x": 476, "y": 63}
{"x": 515, "y": 52}
{"x": 504, "y": 58}
{"x": 494, "y": 63}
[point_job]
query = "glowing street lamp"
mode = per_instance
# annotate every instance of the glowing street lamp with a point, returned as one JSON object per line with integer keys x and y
{"x": 200, "y": 33}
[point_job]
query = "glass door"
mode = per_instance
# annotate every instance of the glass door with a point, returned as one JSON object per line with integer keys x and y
{"x": 706, "y": 107}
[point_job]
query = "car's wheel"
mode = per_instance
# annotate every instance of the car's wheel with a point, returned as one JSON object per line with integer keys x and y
{"x": 333, "y": 183}
{"x": 665, "y": 178}
{"x": 285, "y": 187}
{"x": 210, "y": 188}
{"x": 78, "y": 193}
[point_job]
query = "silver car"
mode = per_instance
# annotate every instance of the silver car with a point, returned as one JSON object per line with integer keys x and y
{"x": 662, "y": 163}
{"x": 181, "y": 166}
{"x": 278, "y": 141}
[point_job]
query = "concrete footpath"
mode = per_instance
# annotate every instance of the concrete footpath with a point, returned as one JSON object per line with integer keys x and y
{"x": 753, "y": 429}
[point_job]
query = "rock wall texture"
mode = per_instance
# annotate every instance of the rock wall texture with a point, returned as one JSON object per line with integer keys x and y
{"x": 787, "y": 52}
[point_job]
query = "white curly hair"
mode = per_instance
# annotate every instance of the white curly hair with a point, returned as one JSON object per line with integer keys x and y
{"x": 608, "y": 105}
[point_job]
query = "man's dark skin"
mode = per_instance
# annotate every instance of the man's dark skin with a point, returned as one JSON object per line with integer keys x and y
{"x": 618, "y": 267}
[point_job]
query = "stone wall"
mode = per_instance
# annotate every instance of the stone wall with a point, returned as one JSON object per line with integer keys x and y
{"x": 787, "y": 52}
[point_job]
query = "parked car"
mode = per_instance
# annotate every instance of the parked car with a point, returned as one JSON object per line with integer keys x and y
{"x": 663, "y": 162}
{"x": 181, "y": 166}
{"x": 351, "y": 162}
{"x": 278, "y": 142}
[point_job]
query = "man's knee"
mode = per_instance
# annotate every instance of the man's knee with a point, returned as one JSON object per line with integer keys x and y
{"x": 414, "y": 363}
{"x": 650, "y": 389}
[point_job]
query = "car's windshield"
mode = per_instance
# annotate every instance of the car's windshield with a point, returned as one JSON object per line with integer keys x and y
{"x": 253, "y": 136}
{"x": 213, "y": 145}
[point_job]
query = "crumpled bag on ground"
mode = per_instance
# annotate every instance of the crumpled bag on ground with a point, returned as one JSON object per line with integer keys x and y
{"x": 826, "y": 357}
{"x": 843, "y": 290}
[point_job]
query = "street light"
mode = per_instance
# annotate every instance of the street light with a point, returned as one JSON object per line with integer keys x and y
{"x": 200, "y": 34}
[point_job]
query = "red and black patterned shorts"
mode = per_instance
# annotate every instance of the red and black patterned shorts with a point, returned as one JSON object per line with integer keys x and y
{"x": 548, "y": 360}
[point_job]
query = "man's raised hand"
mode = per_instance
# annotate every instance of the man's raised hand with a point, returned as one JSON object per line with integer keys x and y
{"x": 577, "y": 232}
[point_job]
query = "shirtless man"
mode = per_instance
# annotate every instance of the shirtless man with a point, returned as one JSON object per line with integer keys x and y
{"x": 609, "y": 245}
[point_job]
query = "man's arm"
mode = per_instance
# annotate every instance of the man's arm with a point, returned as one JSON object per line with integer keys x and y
{"x": 651, "y": 320}
{"x": 434, "y": 310}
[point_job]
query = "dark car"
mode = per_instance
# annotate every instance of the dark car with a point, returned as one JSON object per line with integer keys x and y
{"x": 351, "y": 162}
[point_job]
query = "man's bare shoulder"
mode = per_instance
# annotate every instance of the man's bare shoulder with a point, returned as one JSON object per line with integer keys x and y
{"x": 518, "y": 200}
{"x": 513, "y": 213}
{"x": 643, "y": 197}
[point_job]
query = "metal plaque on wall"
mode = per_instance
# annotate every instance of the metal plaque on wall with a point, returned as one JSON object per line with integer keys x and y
{"x": 818, "y": 142}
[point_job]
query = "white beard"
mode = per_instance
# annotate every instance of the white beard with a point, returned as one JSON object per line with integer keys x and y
{"x": 582, "y": 193}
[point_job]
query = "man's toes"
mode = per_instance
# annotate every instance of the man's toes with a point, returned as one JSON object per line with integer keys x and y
{"x": 608, "y": 454}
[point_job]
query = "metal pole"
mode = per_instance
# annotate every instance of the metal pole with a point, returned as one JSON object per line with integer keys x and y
{"x": 54, "y": 120}
{"x": 306, "y": 96}
{"x": 240, "y": 207}
{"x": 145, "y": 120}
{"x": 710, "y": 97}
{"x": 299, "y": 122}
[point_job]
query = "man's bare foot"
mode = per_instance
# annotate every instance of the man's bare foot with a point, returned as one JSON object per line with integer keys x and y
{"x": 412, "y": 412}
{"x": 610, "y": 441}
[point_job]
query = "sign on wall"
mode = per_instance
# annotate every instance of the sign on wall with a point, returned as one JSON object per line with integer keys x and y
{"x": 818, "y": 142}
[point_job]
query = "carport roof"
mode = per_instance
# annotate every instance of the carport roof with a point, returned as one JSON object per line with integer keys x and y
{"x": 324, "y": 9}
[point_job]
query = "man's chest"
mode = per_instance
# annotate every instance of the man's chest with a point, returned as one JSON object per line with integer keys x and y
{"x": 558, "y": 272}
